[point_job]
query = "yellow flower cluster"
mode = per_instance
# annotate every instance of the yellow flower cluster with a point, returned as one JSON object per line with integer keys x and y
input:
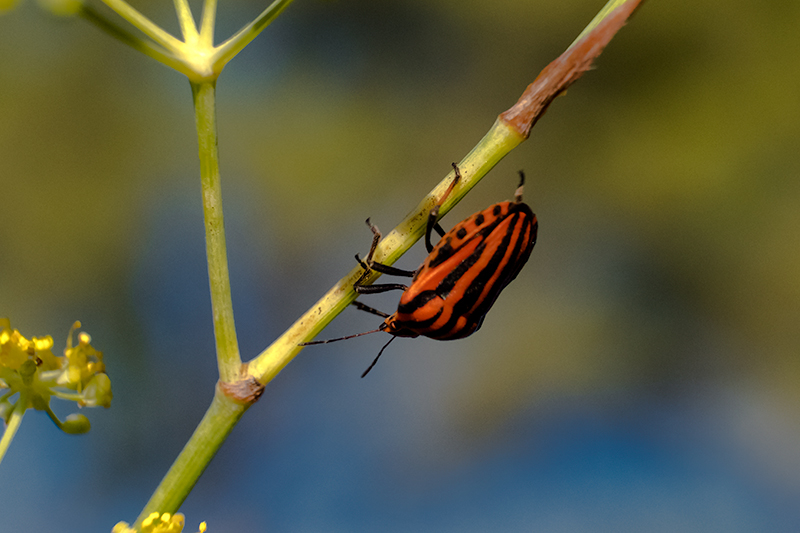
{"x": 16, "y": 349}
{"x": 29, "y": 367}
{"x": 158, "y": 523}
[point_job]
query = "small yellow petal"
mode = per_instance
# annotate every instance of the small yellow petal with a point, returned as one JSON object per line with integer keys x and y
{"x": 165, "y": 523}
{"x": 122, "y": 527}
{"x": 147, "y": 522}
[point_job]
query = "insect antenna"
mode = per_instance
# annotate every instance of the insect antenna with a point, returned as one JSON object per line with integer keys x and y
{"x": 312, "y": 343}
{"x": 378, "y": 357}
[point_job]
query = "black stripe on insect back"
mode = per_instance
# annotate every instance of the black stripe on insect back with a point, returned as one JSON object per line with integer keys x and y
{"x": 418, "y": 325}
{"x": 466, "y": 305}
{"x": 418, "y": 301}
{"x": 399, "y": 326}
{"x": 446, "y": 250}
{"x": 450, "y": 280}
{"x": 520, "y": 255}
{"x": 442, "y": 290}
{"x": 463, "y": 305}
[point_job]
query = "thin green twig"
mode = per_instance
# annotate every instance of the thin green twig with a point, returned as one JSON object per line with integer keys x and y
{"x": 148, "y": 48}
{"x": 13, "y": 424}
{"x": 208, "y": 22}
{"x": 147, "y": 26}
{"x": 227, "y": 50}
{"x": 186, "y": 21}
{"x": 228, "y": 358}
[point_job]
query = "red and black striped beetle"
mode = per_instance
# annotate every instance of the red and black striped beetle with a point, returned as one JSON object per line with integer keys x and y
{"x": 461, "y": 278}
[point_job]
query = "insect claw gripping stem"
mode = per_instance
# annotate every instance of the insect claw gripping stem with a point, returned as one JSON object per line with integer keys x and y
{"x": 369, "y": 265}
{"x": 376, "y": 237}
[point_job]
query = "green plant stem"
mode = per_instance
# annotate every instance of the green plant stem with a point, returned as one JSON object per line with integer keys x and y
{"x": 147, "y": 26}
{"x": 13, "y": 424}
{"x": 606, "y": 10}
{"x": 227, "y": 50}
{"x": 207, "y": 23}
{"x": 186, "y": 21}
{"x": 219, "y": 420}
{"x": 148, "y": 48}
{"x": 228, "y": 358}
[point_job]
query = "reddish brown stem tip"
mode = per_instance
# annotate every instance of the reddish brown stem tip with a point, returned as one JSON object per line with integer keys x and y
{"x": 564, "y": 71}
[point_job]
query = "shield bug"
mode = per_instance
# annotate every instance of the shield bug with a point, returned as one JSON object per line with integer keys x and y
{"x": 459, "y": 281}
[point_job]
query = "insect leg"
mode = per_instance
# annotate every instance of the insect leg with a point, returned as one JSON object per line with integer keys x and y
{"x": 376, "y": 237}
{"x": 433, "y": 216}
{"x": 360, "y": 288}
{"x": 369, "y": 309}
{"x": 380, "y": 267}
{"x": 366, "y": 265}
{"x": 392, "y": 271}
{"x": 369, "y": 265}
{"x": 381, "y": 287}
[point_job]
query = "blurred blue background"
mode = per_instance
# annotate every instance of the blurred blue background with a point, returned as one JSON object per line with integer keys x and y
{"x": 641, "y": 374}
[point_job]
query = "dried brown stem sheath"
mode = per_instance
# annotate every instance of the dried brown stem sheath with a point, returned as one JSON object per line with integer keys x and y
{"x": 564, "y": 71}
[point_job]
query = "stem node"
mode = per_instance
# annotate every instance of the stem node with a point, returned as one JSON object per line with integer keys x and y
{"x": 244, "y": 391}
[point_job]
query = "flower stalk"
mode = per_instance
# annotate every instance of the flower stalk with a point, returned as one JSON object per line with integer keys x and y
{"x": 228, "y": 358}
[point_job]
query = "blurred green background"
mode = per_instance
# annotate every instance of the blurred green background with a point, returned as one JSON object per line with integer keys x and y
{"x": 641, "y": 374}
